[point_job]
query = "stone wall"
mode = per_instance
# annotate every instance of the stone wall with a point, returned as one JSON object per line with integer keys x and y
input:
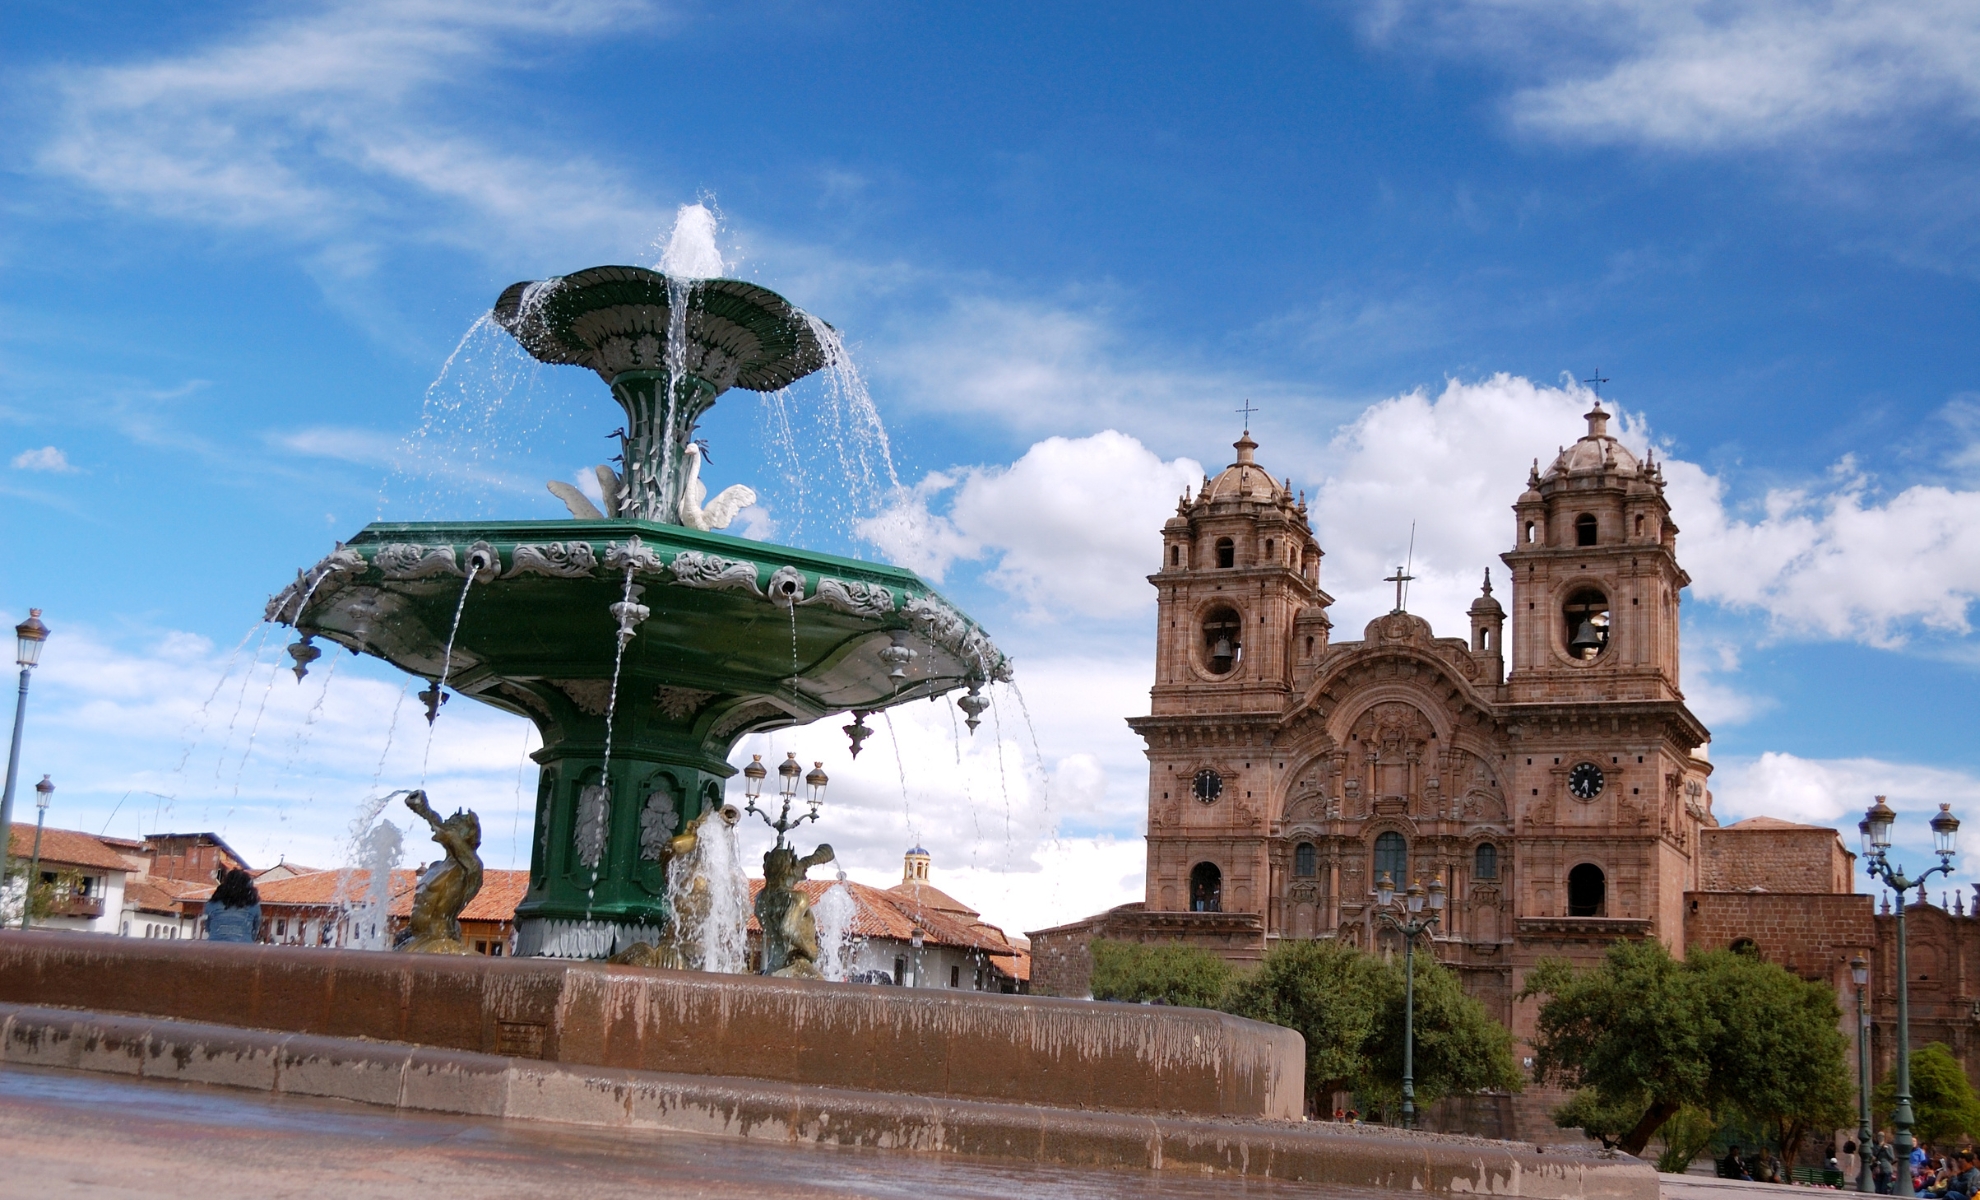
{"x": 1812, "y": 935}
{"x": 1774, "y": 856}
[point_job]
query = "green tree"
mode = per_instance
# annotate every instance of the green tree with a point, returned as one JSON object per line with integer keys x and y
{"x": 1685, "y": 1136}
{"x": 1171, "y": 974}
{"x": 1632, "y": 1030}
{"x": 1332, "y": 994}
{"x": 1459, "y": 1047}
{"x": 1349, "y": 1007}
{"x": 1722, "y": 1033}
{"x": 1943, "y": 1105}
{"x": 1779, "y": 1056}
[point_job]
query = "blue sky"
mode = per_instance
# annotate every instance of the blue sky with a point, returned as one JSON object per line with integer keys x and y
{"x": 240, "y": 243}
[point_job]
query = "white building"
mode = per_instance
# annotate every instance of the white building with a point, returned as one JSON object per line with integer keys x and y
{"x": 86, "y": 877}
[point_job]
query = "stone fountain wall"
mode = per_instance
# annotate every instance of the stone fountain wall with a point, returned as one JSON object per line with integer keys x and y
{"x": 1061, "y": 1053}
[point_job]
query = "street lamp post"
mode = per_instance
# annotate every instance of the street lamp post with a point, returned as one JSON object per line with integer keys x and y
{"x": 28, "y": 637}
{"x": 1876, "y": 830}
{"x": 1859, "y": 971}
{"x": 43, "y": 793}
{"x": 1409, "y": 926}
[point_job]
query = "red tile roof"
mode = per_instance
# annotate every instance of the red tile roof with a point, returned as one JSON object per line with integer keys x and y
{"x": 500, "y": 892}
{"x": 66, "y": 848}
{"x": 879, "y": 913}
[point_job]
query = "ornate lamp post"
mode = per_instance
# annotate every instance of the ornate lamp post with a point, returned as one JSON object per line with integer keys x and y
{"x": 29, "y": 635}
{"x": 43, "y": 793}
{"x": 1876, "y": 830}
{"x": 788, "y": 773}
{"x": 1859, "y": 971}
{"x": 1409, "y": 925}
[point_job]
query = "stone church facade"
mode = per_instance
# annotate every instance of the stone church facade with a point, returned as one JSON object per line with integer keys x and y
{"x": 1544, "y": 768}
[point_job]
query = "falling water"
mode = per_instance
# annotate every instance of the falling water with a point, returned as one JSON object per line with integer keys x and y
{"x": 720, "y": 939}
{"x": 602, "y": 808}
{"x": 482, "y": 411}
{"x": 446, "y": 668}
{"x": 374, "y": 849}
{"x": 691, "y": 252}
{"x": 835, "y": 912}
{"x": 240, "y": 701}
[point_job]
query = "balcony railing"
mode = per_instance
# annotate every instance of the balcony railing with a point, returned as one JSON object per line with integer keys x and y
{"x": 86, "y": 907}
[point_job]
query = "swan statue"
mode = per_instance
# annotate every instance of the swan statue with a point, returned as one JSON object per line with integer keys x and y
{"x": 716, "y": 514}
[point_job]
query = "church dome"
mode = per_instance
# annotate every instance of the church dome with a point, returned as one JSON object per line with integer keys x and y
{"x": 1244, "y": 479}
{"x": 1595, "y": 453}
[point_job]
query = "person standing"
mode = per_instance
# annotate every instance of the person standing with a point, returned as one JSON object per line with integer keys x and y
{"x": 233, "y": 914}
{"x": 1883, "y": 1165}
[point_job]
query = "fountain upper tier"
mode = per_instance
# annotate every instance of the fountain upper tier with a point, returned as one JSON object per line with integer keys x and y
{"x": 742, "y": 635}
{"x": 668, "y": 347}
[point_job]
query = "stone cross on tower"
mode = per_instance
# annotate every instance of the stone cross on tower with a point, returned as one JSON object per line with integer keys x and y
{"x": 1401, "y": 577}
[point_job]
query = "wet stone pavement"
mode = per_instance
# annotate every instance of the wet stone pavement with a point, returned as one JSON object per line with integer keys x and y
{"x": 77, "y": 1134}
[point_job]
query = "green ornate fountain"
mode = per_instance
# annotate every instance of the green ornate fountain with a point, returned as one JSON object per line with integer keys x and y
{"x": 688, "y": 638}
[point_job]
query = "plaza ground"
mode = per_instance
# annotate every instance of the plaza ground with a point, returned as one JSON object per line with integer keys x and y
{"x": 75, "y": 1134}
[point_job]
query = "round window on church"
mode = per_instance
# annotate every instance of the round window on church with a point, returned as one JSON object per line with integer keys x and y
{"x": 1223, "y": 640}
{"x": 1585, "y": 623}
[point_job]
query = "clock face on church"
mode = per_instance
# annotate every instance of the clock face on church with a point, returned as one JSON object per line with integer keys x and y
{"x": 1585, "y": 781}
{"x": 1208, "y": 786}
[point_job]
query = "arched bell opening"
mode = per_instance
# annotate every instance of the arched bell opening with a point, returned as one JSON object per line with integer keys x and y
{"x": 1587, "y": 891}
{"x": 1223, "y": 640}
{"x": 1585, "y": 621}
{"x": 1206, "y": 888}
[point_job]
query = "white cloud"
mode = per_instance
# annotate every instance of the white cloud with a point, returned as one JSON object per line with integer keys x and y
{"x": 1041, "y": 367}
{"x": 1703, "y": 74}
{"x": 320, "y": 124}
{"x": 1075, "y": 524}
{"x": 1452, "y": 466}
{"x": 1836, "y": 791}
{"x": 1834, "y": 561}
{"x": 48, "y": 458}
{"x": 169, "y": 734}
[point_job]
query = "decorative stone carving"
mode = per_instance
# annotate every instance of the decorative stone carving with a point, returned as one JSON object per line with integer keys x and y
{"x": 680, "y": 702}
{"x": 744, "y": 717}
{"x": 594, "y": 820}
{"x": 656, "y": 824}
{"x": 786, "y": 586}
{"x": 408, "y": 560}
{"x": 523, "y": 696}
{"x": 633, "y": 554}
{"x": 851, "y": 596}
{"x": 559, "y": 560}
{"x": 592, "y": 696}
{"x": 326, "y": 578}
{"x": 697, "y": 570}
{"x": 948, "y": 628}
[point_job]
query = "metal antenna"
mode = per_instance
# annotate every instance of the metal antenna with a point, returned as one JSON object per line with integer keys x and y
{"x": 1596, "y": 381}
{"x": 1409, "y": 560}
{"x": 1247, "y": 410}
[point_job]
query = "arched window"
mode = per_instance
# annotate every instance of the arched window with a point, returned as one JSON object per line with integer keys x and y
{"x": 1529, "y": 533}
{"x": 1175, "y": 556}
{"x": 1746, "y": 946}
{"x": 1306, "y": 860}
{"x": 1392, "y": 859}
{"x": 1226, "y": 553}
{"x": 1485, "y": 862}
{"x": 1271, "y": 549}
{"x": 1587, "y": 891}
{"x": 1584, "y": 529}
{"x": 1639, "y": 524}
{"x": 1309, "y": 647}
{"x": 1206, "y": 888}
